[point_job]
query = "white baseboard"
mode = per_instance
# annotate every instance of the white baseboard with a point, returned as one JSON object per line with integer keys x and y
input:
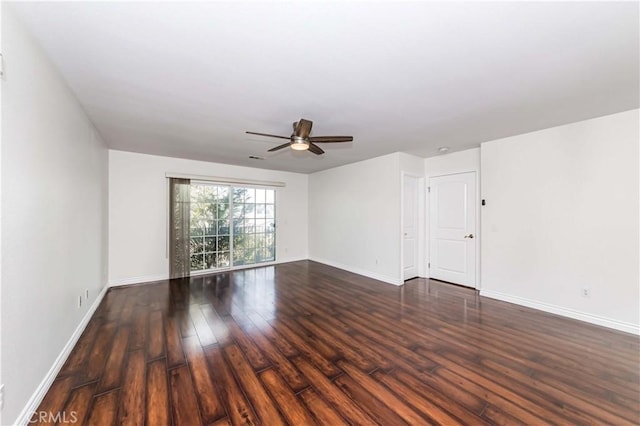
{"x": 137, "y": 280}
{"x": 160, "y": 277}
{"x": 566, "y": 312}
{"x": 376, "y": 276}
{"x": 43, "y": 387}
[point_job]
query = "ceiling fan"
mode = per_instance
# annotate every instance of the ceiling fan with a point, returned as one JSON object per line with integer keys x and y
{"x": 301, "y": 140}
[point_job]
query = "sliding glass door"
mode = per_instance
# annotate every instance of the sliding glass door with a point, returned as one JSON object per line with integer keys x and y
{"x": 231, "y": 226}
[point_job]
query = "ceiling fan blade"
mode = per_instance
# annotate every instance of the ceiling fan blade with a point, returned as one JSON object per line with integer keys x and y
{"x": 266, "y": 134}
{"x": 330, "y": 139}
{"x": 315, "y": 149}
{"x": 303, "y": 128}
{"x": 284, "y": 145}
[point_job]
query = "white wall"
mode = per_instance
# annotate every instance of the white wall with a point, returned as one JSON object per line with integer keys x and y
{"x": 562, "y": 215}
{"x": 448, "y": 164}
{"x": 456, "y": 162}
{"x": 138, "y": 203}
{"x": 54, "y": 215}
{"x": 354, "y": 216}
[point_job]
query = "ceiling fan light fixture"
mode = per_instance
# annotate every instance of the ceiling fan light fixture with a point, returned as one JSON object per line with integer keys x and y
{"x": 299, "y": 144}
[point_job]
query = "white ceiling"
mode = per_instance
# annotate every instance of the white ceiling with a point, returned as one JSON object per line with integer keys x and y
{"x": 187, "y": 79}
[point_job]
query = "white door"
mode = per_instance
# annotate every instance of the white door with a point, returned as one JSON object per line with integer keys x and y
{"x": 452, "y": 228}
{"x": 410, "y": 227}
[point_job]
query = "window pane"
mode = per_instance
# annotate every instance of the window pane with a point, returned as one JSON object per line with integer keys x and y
{"x": 260, "y": 211}
{"x": 270, "y": 196}
{"x": 210, "y": 260}
{"x": 249, "y": 210}
{"x": 260, "y": 196}
{"x": 271, "y": 226}
{"x": 196, "y": 245}
{"x": 238, "y": 257}
{"x": 261, "y": 225}
{"x": 194, "y": 232}
{"x": 223, "y": 227}
{"x": 249, "y": 226}
{"x": 210, "y": 227}
{"x": 222, "y": 211}
{"x": 250, "y": 195}
{"x": 197, "y": 262}
{"x": 210, "y": 244}
{"x": 239, "y": 242}
{"x": 238, "y": 211}
{"x": 223, "y": 244}
{"x": 239, "y": 195}
{"x": 271, "y": 254}
{"x": 223, "y": 259}
{"x": 223, "y": 194}
{"x": 269, "y": 211}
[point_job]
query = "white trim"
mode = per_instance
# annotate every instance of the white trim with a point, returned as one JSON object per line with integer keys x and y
{"x": 152, "y": 278}
{"x": 218, "y": 179}
{"x": 421, "y": 262}
{"x": 138, "y": 280}
{"x": 380, "y": 277}
{"x": 43, "y": 387}
{"x": 566, "y": 312}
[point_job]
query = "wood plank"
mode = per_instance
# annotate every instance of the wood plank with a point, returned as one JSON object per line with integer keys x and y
{"x": 113, "y": 370}
{"x": 332, "y": 393}
{"x": 385, "y": 396}
{"x": 157, "y": 401}
{"x": 54, "y": 400}
{"x": 425, "y": 405}
{"x": 260, "y": 400}
{"x": 292, "y": 409}
{"x": 323, "y": 413}
{"x": 104, "y": 409}
{"x": 139, "y": 331}
{"x": 155, "y": 347}
{"x": 132, "y": 396}
{"x": 183, "y": 397}
{"x": 238, "y": 408}
{"x": 291, "y": 375}
{"x": 210, "y": 402}
{"x": 249, "y": 348}
{"x": 77, "y": 406}
{"x": 81, "y": 352}
{"x": 175, "y": 354}
{"x": 379, "y": 412}
{"x": 202, "y": 328}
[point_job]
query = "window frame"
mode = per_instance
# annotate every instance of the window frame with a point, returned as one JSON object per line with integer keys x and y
{"x": 232, "y": 234}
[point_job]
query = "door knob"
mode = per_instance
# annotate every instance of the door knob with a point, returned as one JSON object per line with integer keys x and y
{"x": 469, "y": 236}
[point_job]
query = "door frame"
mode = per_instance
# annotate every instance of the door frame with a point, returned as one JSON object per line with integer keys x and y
{"x": 478, "y": 234}
{"x": 421, "y": 232}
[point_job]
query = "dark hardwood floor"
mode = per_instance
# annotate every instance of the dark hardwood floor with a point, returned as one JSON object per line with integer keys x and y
{"x": 304, "y": 343}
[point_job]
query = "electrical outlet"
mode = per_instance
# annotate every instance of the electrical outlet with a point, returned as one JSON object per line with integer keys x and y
{"x": 86, "y": 294}
{"x": 79, "y": 301}
{"x": 1, "y": 397}
{"x": 586, "y": 292}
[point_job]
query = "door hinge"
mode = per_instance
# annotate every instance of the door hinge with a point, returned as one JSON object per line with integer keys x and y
{"x": 429, "y": 265}
{"x": 428, "y": 189}
{"x": 1, "y": 66}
